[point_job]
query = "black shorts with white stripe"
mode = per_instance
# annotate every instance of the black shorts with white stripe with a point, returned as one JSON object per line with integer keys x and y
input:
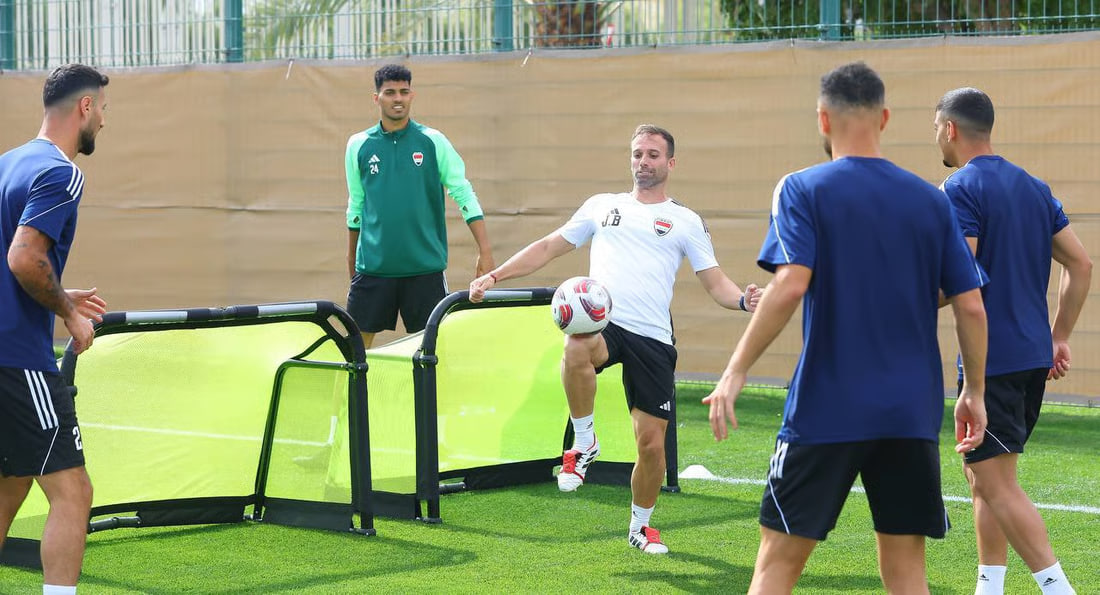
{"x": 1012, "y": 405}
{"x": 649, "y": 370}
{"x": 38, "y": 430}
{"x": 808, "y": 485}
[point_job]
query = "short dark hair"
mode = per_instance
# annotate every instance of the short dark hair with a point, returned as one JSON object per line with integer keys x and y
{"x": 853, "y": 85}
{"x": 970, "y": 109}
{"x": 68, "y": 80}
{"x": 392, "y": 72}
{"x": 658, "y": 131}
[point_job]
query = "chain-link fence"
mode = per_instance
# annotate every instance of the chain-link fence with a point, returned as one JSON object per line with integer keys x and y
{"x": 42, "y": 33}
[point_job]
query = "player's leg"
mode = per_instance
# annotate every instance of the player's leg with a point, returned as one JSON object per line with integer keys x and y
{"x": 13, "y": 491}
{"x": 779, "y": 562}
{"x": 994, "y": 481}
{"x": 805, "y": 491}
{"x": 69, "y": 492}
{"x": 646, "y": 480}
{"x": 992, "y": 543}
{"x": 903, "y": 485}
{"x": 581, "y": 357}
{"x": 649, "y": 377}
{"x": 1013, "y": 402}
{"x": 901, "y": 564}
{"x": 48, "y": 447}
{"x": 1004, "y": 410}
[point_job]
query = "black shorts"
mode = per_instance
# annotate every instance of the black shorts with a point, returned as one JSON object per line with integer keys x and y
{"x": 649, "y": 370}
{"x": 374, "y": 302}
{"x": 1012, "y": 404}
{"x": 808, "y": 484}
{"x": 38, "y": 430}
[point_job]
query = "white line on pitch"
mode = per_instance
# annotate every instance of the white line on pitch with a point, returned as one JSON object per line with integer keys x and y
{"x": 198, "y": 434}
{"x": 701, "y": 472}
{"x": 193, "y": 434}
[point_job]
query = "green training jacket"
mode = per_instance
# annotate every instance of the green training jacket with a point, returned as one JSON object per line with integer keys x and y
{"x": 396, "y": 199}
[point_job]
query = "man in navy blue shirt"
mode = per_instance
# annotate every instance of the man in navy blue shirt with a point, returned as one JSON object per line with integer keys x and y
{"x": 40, "y": 189}
{"x": 1014, "y": 226}
{"x": 866, "y": 247}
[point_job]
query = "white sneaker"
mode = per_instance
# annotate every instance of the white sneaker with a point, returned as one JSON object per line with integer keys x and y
{"x": 574, "y": 466}
{"x": 648, "y": 540}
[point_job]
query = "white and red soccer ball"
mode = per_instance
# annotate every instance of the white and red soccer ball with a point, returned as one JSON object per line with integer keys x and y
{"x": 581, "y": 305}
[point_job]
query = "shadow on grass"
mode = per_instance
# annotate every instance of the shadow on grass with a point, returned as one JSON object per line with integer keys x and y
{"x": 222, "y": 543}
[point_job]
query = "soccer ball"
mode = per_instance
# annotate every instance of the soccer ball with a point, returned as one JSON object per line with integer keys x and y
{"x": 581, "y": 305}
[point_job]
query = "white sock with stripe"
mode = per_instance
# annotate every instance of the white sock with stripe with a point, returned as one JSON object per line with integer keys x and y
{"x": 639, "y": 517}
{"x": 584, "y": 432}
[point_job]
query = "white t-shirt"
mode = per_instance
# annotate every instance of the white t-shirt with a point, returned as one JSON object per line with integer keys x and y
{"x": 636, "y": 249}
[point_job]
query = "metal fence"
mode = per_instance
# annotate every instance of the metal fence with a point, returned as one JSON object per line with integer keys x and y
{"x": 37, "y": 34}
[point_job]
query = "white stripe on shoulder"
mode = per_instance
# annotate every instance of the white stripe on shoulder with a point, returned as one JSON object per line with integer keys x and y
{"x": 77, "y": 184}
{"x": 74, "y": 189}
{"x": 775, "y": 217}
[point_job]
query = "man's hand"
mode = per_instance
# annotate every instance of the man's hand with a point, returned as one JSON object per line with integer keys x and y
{"x": 721, "y": 401}
{"x": 479, "y": 286}
{"x": 87, "y": 303}
{"x": 970, "y": 419}
{"x": 485, "y": 263}
{"x": 80, "y": 327}
{"x": 1061, "y": 361}
{"x": 752, "y": 296}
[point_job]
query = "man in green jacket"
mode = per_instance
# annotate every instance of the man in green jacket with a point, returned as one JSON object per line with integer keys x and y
{"x": 397, "y": 172}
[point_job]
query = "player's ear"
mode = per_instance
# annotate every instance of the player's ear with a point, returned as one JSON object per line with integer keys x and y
{"x": 885, "y": 118}
{"x": 823, "y": 121}
{"x": 374, "y": 97}
{"x": 671, "y": 162}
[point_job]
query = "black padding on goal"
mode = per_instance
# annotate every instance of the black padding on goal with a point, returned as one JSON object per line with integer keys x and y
{"x": 221, "y": 512}
{"x": 510, "y": 474}
{"x": 21, "y": 552}
{"x": 310, "y": 515}
{"x": 615, "y": 474}
{"x": 397, "y": 506}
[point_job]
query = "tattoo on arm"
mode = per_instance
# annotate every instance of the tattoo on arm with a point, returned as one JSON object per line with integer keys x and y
{"x": 45, "y": 288}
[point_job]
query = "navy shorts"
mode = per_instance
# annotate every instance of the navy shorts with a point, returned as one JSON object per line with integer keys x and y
{"x": 38, "y": 430}
{"x": 809, "y": 483}
{"x": 649, "y": 370}
{"x": 374, "y": 302}
{"x": 1012, "y": 404}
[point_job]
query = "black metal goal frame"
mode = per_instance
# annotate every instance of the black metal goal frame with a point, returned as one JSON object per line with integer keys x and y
{"x": 428, "y": 476}
{"x": 299, "y": 513}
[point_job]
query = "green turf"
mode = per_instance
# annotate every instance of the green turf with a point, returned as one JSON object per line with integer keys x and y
{"x": 535, "y": 539}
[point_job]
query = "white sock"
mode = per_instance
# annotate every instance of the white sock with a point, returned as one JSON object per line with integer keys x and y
{"x": 584, "y": 433}
{"x": 58, "y": 590}
{"x": 1052, "y": 581}
{"x": 639, "y": 517}
{"x": 991, "y": 580}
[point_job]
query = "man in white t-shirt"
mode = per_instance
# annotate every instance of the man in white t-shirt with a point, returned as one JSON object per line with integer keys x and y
{"x": 639, "y": 238}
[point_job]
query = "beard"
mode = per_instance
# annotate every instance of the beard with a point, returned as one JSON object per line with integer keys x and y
{"x": 651, "y": 181}
{"x": 828, "y": 146}
{"x": 947, "y": 164}
{"x": 86, "y": 142}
